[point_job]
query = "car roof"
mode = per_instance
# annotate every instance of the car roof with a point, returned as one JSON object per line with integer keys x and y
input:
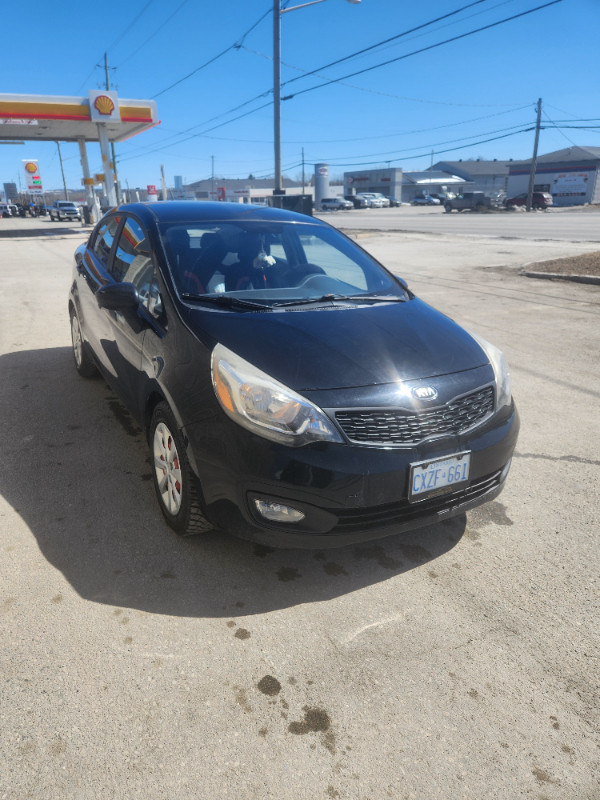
{"x": 179, "y": 211}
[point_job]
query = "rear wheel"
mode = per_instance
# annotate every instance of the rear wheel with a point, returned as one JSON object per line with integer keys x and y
{"x": 84, "y": 363}
{"x": 175, "y": 484}
{"x": 448, "y": 208}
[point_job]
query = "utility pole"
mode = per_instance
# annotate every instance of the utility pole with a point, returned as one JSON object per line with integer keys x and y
{"x": 112, "y": 144}
{"x": 212, "y": 178}
{"x": 534, "y": 159}
{"x": 163, "y": 182}
{"x": 277, "y": 94}
{"x": 62, "y": 169}
{"x": 302, "y": 170}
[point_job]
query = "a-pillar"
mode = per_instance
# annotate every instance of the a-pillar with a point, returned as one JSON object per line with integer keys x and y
{"x": 107, "y": 167}
{"x": 88, "y": 181}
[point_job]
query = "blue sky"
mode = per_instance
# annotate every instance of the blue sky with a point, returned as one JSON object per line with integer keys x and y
{"x": 447, "y": 100}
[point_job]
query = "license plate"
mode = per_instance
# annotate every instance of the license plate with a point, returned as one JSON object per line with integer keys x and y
{"x": 437, "y": 476}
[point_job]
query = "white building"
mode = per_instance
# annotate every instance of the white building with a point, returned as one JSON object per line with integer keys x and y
{"x": 569, "y": 175}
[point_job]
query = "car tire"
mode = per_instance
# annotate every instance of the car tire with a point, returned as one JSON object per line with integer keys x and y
{"x": 448, "y": 208}
{"x": 84, "y": 363}
{"x": 176, "y": 486}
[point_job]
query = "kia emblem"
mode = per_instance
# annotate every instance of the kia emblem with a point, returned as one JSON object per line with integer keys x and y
{"x": 425, "y": 393}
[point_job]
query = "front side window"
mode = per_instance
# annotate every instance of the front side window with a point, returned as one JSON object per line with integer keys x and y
{"x": 269, "y": 262}
{"x": 105, "y": 238}
{"x": 133, "y": 263}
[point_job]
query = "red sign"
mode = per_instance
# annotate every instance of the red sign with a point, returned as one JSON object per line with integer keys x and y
{"x": 151, "y": 189}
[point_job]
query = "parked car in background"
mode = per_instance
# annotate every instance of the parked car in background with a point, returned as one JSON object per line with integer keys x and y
{"x": 5, "y": 210}
{"x": 372, "y": 199}
{"x": 440, "y": 196}
{"x": 471, "y": 201}
{"x": 335, "y": 204}
{"x": 386, "y": 200}
{"x": 538, "y": 200}
{"x": 357, "y": 201}
{"x": 425, "y": 200}
{"x": 292, "y": 390}
{"x": 393, "y": 202}
{"x": 64, "y": 209}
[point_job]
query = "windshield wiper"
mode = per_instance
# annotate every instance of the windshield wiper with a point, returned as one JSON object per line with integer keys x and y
{"x": 226, "y": 300}
{"x": 355, "y": 298}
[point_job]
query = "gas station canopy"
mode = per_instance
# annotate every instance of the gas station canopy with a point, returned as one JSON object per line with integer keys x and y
{"x": 69, "y": 119}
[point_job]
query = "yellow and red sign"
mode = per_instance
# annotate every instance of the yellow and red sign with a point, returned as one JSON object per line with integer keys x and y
{"x": 104, "y": 106}
{"x": 32, "y": 176}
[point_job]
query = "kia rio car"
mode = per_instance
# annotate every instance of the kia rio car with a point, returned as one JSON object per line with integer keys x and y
{"x": 293, "y": 391}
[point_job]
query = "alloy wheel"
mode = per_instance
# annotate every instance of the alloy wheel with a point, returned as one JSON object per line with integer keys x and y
{"x": 77, "y": 340}
{"x": 168, "y": 469}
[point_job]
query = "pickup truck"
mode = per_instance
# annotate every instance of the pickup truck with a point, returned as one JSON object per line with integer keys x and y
{"x": 64, "y": 209}
{"x": 474, "y": 201}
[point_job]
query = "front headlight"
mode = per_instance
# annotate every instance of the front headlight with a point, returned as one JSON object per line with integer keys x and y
{"x": 503, "y": 385}
{"x": 264, "y": 406}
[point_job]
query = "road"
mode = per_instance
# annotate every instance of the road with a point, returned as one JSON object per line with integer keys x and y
{"x": 557, "y": 224}
{"x": 460, "y": 661}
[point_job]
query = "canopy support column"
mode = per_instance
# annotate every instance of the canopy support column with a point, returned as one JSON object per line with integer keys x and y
{"x": 88, "y": 181}
{"x": 107, "y": 167}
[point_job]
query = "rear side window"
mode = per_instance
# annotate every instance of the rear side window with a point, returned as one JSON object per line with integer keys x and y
{"x": 105, "y": 238}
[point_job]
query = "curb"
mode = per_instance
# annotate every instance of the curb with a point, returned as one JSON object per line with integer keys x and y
{"x": 554, "y": 276}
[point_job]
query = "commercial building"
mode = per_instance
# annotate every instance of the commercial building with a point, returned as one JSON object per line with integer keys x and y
{"x": 417, "y": 184}
{"x": 489, "y": 177}
{"x": 240, "y": 190}
{"x": 386, "y": 181}
{"x": 569, "y": 175}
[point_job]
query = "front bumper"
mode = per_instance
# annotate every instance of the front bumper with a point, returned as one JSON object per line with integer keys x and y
{"x": 348, "y": 493}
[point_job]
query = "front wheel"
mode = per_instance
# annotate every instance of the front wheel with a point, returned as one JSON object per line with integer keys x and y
{"x": 447, "y": 208}
{"x": 84, "y": 363}
{"x": 175, "y": 484}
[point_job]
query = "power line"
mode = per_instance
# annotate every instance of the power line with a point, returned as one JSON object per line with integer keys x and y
{"x": 516, "y": 128}
{"x": 386, "y": 41}
{"x": 427, "y": 154}
{"x": 372, "y": 91}
{"x": 116, "y": 41}
{"x": 152, "y": 35}
{"x": 235, "y": 46}
{"x": 423, "y": 49}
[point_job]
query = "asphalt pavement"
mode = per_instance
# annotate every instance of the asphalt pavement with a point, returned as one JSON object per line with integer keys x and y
{"x": 460, "y": 661}
{"x": 569, "y": 225}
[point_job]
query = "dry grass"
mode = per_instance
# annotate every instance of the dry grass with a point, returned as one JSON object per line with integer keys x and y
{"x": 586, "y": 264}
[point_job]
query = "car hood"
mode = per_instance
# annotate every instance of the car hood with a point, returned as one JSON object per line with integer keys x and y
{"x": 343, "y": 347}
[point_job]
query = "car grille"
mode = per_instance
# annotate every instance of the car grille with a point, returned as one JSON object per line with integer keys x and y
{"x": 396, "y": 427}
{"x": 350, "y": 520}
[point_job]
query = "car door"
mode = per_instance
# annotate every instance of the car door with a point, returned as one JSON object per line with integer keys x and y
{"x": 91, "y": 275}
{"x": 132, "y": 262}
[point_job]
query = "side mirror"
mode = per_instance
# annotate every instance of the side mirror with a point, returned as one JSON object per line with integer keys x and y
{"x": 118, "y": 297}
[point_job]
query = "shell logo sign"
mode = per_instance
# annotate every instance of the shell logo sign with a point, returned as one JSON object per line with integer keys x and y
{"x": 32, "y": 176}
{"x": 104, "y": 105}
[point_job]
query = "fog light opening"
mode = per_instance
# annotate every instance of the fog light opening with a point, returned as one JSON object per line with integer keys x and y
{"x": 276, "y": 512}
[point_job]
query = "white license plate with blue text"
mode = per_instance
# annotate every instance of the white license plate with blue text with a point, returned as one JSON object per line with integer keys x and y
{"x": 438, "y": 475}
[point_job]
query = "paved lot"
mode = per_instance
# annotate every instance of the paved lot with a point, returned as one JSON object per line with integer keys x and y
{"x": 457, "y": 662}
{"x": 556, "y": 224}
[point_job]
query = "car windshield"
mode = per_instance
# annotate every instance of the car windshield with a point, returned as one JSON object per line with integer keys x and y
{"x": 271, "y": 263}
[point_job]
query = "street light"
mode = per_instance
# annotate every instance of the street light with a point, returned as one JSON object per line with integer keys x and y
{"x": 277, "y": 12}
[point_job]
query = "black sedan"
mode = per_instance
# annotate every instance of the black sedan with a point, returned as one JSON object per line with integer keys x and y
{"x": 293, "y": 391}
